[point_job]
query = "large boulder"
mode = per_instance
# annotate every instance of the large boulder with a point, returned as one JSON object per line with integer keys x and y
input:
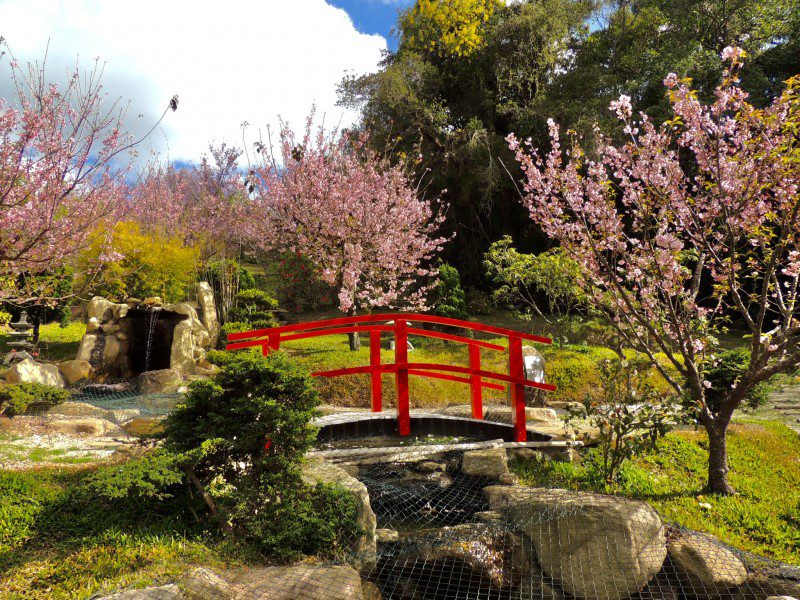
{"x": 595, "y": 547}
{"x": 80, "y": 409}
{"x": 320, "y": 471}
{"x": 30, "y": 371}
{"x": 162, "y": 381}
{"x": 86, "y": 350}
{"x": 164, "y": 592}
{"x": 75, "y": 371}
{"x": 83, "y": 426}
{"x": 704, "y": 565}
{"x": 491, "y": 463}
{"x": 298, "y": 582}
{"x": 182, "y": 352}
{"x": 205, "y": 584}
{"x": 99, "y": 308}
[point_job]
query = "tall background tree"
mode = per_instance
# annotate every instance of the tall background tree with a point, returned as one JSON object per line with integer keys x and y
{"x": 452, "y": 93}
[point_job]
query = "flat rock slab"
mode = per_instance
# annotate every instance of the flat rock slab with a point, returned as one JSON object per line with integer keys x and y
{"x": 306, "y": 582}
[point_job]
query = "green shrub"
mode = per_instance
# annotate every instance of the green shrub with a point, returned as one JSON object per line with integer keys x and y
{"x": 5, "y": 318}
{"x": 319, "y": 520}
{"x": 522, "y": 279}
{"x": 447, "y": 296}
{"x": 630, "y": 417}
{"x": 16, "y": 399}
{"x": 242, "y": 436}
{"x": 254, "y": 306}
{"x": 723, "y": 372}
{"x": 13, "y": 400}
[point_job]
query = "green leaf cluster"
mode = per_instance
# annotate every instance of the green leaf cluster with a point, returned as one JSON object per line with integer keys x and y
{"x": 255, "y": 307}
{"x": 523, "y": 280}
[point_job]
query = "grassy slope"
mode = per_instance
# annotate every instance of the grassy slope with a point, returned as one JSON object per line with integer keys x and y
{"x": 55, "y": 544}
{"x": 764, "y": 517}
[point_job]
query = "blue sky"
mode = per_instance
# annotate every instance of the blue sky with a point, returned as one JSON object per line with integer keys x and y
{"x": 373, "y": 16}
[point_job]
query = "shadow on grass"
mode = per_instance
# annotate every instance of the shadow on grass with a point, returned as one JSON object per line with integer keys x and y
{"x": 54, "y": 518}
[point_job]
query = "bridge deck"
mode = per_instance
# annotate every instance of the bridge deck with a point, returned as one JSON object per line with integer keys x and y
{"x": 348, "y": 425}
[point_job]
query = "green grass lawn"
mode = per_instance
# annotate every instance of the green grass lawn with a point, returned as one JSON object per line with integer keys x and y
{"x": 763, "y": 517}
{"x": 57, "y": 542}
{"x": 56, "y": 343}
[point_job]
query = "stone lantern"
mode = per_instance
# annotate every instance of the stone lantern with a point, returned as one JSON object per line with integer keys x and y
{"x": 21, "y": 333}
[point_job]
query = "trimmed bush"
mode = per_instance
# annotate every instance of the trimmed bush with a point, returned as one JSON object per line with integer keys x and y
{"x": 447, "y": 295}
{"x": 256, "y": 307}
{"x": 18, "y": 398}
{"x": 242, "y": 437}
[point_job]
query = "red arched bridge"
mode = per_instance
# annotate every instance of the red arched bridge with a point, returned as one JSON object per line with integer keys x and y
{"x": 400, "y": 326}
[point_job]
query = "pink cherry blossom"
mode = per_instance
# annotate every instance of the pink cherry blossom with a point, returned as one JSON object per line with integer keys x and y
{"x": 682, "y": 226}
{"x": 356, "y": 216}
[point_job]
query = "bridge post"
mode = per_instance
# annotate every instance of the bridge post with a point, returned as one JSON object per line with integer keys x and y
{"x": 475, "y": 382}
{"x": 401, "y": 376}
{"x": 273, "y": 343}
{"x": 517, "y": 371}
{"x": 375, "y": 373}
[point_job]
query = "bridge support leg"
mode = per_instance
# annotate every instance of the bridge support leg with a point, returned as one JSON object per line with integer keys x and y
{"x": 375, "y": 373}
{"x": 517, "y": 371}
{"x": 273, "y": 343}
{"x": 401, "y": 377}
{"x": 475, "y": 382}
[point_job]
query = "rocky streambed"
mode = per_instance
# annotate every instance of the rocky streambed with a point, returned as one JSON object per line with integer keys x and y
{"x": 458, "y": 525}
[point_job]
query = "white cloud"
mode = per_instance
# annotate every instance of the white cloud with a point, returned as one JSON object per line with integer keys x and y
{"x": 251, "y": 60}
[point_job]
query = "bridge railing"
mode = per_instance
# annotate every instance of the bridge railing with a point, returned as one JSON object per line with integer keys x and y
{"x": 397, "y": 324}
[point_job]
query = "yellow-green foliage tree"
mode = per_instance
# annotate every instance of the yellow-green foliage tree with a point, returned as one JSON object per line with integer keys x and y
{"x": 448, "y": 27}
{"x": 141, "y": 264}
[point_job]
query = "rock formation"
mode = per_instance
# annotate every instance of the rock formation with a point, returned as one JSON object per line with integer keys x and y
{"x": 121, "y": 337}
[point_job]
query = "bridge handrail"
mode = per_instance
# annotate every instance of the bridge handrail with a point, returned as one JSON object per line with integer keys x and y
{"x": 376, "y": 318}
{"x": 272, "y": 338}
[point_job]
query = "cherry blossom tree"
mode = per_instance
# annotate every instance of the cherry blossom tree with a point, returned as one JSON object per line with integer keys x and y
{"x": 62, "y": 173}
{"x": 354, "y": 215}
{"x": 684, "y": 228}
{"x": 205, "y": 205}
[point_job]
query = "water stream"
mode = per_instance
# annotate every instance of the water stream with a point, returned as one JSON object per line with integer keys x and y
{"x": 151, "y": 327}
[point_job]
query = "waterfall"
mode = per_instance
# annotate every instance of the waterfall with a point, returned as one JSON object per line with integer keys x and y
{"x": 151, "y": 327}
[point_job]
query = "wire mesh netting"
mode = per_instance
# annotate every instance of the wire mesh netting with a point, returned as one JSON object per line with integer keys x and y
{"x": 443, "y": 517}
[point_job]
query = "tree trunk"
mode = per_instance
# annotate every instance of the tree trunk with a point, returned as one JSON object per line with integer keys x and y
{"x": 718, "y": 459}
{"x": 37, "y": 323}
{"x": 355, "y": 339}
